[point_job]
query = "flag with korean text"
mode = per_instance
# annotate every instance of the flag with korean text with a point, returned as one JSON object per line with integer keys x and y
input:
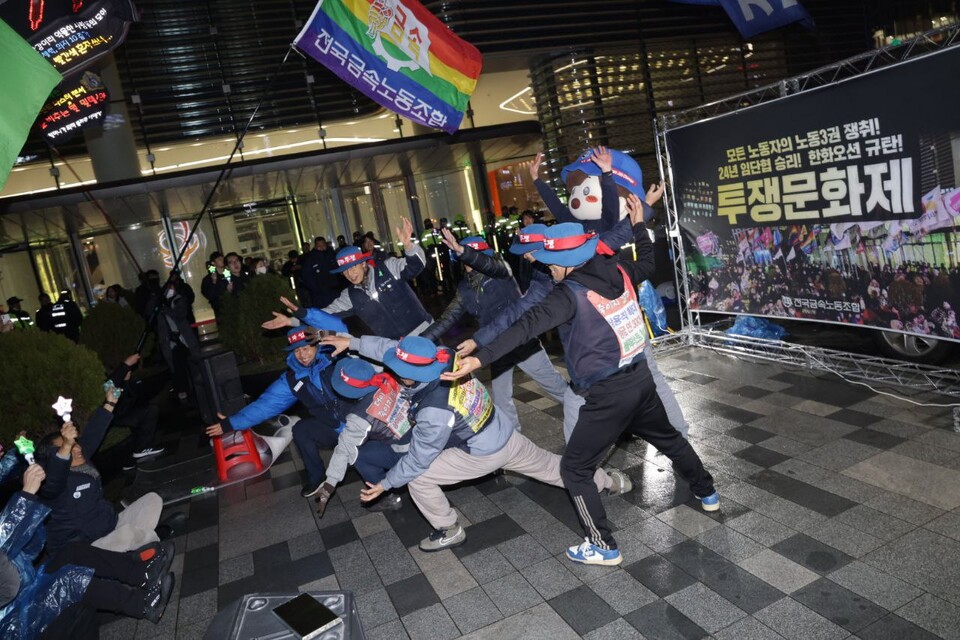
{"x": 398, "y": 54}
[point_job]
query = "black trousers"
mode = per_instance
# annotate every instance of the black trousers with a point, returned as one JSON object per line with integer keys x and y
{"x": 116, "y": 577}
{"x": 142, "y": 421}
{"x": 626, "y": 401}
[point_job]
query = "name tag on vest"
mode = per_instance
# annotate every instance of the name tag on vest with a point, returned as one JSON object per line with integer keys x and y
{"x": 624, "y": 317}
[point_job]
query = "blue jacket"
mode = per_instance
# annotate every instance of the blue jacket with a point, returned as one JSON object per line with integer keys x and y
{"x": 279, "y": 396}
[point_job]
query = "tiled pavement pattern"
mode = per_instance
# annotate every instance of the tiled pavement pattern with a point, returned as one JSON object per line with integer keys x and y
{"x": 839, "y": 519}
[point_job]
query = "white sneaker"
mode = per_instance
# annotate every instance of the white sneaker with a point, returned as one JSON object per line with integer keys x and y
{"x": 149, "y": 451}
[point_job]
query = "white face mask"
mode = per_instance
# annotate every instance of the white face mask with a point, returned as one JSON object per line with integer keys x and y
{"x": 261, "y": 270}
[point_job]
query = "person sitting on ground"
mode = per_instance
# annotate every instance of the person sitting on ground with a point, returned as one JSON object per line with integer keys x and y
{"x": 457, "y": 436}
{"x": 84, "y": 578}
{"x": 75, "y": 493}
{"x": 377, "y": 431}
{"x": 306, "y": 379}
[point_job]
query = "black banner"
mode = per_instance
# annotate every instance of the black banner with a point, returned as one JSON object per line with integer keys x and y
{"x": 839, "y": 204}
{"x": 78, "y": 104}
{"x": 70, "y": 34}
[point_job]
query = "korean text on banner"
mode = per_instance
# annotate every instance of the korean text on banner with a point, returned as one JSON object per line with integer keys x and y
{"x": 398, "y": 54}
{"x": 28, "y": 81}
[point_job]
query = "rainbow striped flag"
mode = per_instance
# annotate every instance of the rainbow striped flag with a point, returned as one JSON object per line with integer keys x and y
{"x": 397, "y": 53}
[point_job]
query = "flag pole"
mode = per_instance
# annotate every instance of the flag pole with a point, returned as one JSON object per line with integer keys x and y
{"x": 227, "y": 168}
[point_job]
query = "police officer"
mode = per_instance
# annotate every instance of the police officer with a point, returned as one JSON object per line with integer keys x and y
{"x": 604, "y": 348}
{"x": 20, "y": 318}
{"x": 378, "y": 292}
{"x": 64, "y": 317}
{"x": 306, "y": 379}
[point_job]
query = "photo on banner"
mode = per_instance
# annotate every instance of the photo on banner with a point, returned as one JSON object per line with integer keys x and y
{"x": 840, "y": 204}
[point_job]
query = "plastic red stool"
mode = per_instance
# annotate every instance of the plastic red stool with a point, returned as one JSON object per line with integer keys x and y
{"x": 230, "y": 456}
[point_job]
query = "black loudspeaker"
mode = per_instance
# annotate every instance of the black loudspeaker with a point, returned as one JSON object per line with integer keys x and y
{"x": 216, "y": 382}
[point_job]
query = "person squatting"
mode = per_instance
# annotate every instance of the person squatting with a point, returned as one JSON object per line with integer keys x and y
{"x": 407, "y": 412}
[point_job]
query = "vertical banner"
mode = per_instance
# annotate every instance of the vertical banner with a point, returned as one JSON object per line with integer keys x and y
{"x": 396, "y": 53}
{"x": 836, "y": 205}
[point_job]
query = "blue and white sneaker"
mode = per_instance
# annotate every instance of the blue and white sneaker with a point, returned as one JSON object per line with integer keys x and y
{"x": 711, "y": 502}
{"x": 589, "y": 553}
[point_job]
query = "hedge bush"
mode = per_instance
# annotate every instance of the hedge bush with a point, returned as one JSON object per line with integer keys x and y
{"x": 39, "y": 367}
{"x": 112, "y": 331}
{"x": 241, "y": 316}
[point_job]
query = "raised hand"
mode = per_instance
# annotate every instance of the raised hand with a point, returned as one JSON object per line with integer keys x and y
{"x": 465, "y": 367}
{"x": 405, "y": 233}
{"x": 535, "y": 165}
{"x": 69, "y": 433}
{"x": 289, "y": 305}
{"x": 32, "y": 478}
{"x": 654, "y": 193}
{"x": 279, "y": 321}
{"x": 635, "y": 208}
{"x": 339, "y": 343}
{"x": 602, "y": 158}
{"x": 451, "y": 241}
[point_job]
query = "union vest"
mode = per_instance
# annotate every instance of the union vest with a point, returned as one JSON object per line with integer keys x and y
{"x": 317, "y": 400}
{"x": 395, "y": 311}
{"x": 469, "y": 401}
{"x": 605, "y": 335}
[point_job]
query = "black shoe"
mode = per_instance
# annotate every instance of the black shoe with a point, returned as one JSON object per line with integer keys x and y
{"x": 159, "y": 565}
{"x": 155, "y": 602}
{"x": 310, "y": 489}
{"x": 389, "y": 502}
{"x": 172, "y": 526}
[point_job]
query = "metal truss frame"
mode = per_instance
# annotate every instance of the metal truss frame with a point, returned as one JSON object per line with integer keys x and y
{"x": 909, "y": 379}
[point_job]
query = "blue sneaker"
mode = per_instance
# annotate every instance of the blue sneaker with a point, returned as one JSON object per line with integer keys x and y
{"x": 589, "y": 553}
{"x": 711, "y": 502}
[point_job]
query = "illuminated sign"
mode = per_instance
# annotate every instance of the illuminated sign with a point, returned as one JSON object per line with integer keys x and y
{"x": 181, "y": 231}
{"x": 82, "y": 103}
{"x": 70, "y": 34}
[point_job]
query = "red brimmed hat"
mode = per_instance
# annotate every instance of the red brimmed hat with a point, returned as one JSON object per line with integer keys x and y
{"x": 567, "y": 245}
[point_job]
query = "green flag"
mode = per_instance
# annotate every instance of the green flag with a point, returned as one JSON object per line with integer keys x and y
{"x": 28, "y": 80}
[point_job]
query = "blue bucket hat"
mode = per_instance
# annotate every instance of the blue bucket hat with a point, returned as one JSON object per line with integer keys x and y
{"x": 418, "y": 359}
{"x": 297, "y": 337}
{"x": 477, "y": 243}
{"x": 626, "y": 171}
{"x": 567, "y": 245}
{"x": 348, "y": 257}
{"x": 530, "y": 238}
{"x": 354, "y": 378}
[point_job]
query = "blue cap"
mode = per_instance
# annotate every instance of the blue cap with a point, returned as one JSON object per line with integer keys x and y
{"x": 626, "y": 171}
{"x": 530, "y": 238}
{"x": 567, "y": 245}
{"x": 477, "y": 243}
{"x": 349, "y": 257}
{"x": 297, "y": 337}
{"x": 418, "y": 359}
{"x": 353, "y": 378}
